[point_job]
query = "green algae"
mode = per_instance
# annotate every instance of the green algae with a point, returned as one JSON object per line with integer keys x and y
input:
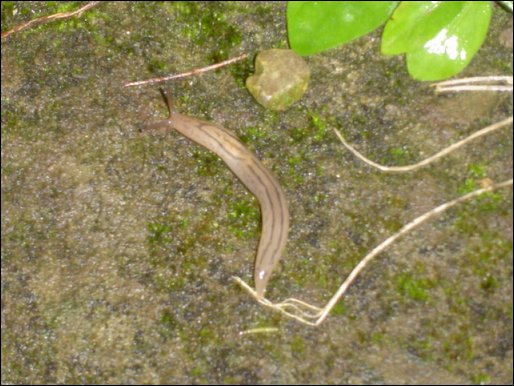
{"x": 117, "y": 248}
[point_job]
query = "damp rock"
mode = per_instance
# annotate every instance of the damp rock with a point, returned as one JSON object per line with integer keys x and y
{"x": 281, "y": 78}
{"x": 505, "y": 38}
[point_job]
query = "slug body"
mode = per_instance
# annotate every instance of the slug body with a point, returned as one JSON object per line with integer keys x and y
{"x": 253, "y": 174}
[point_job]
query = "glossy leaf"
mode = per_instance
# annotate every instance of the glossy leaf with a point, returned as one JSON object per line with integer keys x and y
{"x": 315, "y": 26}
{"x": 415, "y": 22}
{"x": 440, "y": 38}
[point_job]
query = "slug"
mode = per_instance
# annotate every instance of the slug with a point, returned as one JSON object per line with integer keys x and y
{"x": 252, "y": 173}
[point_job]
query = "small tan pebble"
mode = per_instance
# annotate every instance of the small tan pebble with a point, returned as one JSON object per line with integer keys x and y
{"x": 281, "y": 78}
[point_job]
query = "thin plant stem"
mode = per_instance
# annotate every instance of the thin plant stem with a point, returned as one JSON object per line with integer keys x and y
{"x": 259, "y": 330}
{"x": 195, "y": 71}
{"x": 314, "y": 316}
{"x": 426, "y": 161}
{"x": 469, "y": 84}
{"x": 454, "y": 85}
{"x": 46, "y": 19}
{"x": 476, "y": 79}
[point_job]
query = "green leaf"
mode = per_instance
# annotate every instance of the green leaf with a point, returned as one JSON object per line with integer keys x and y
{"x": 315, "y": 26}
{"x": 415, "y": 22}
{"x": 440, "y": 38}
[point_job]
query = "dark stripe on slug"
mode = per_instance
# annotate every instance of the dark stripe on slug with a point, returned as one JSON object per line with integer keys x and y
{"x": 206, "y": 130}
{"x": 220, "y": 143}
{"x": 253, "y": 174}
{"x": 270, "y": 250}
{"x": 274, "y": 203}
{"x": 268, "y": 203}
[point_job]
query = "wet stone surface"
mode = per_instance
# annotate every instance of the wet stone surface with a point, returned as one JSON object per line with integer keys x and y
{"x": 118, "y": 247}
